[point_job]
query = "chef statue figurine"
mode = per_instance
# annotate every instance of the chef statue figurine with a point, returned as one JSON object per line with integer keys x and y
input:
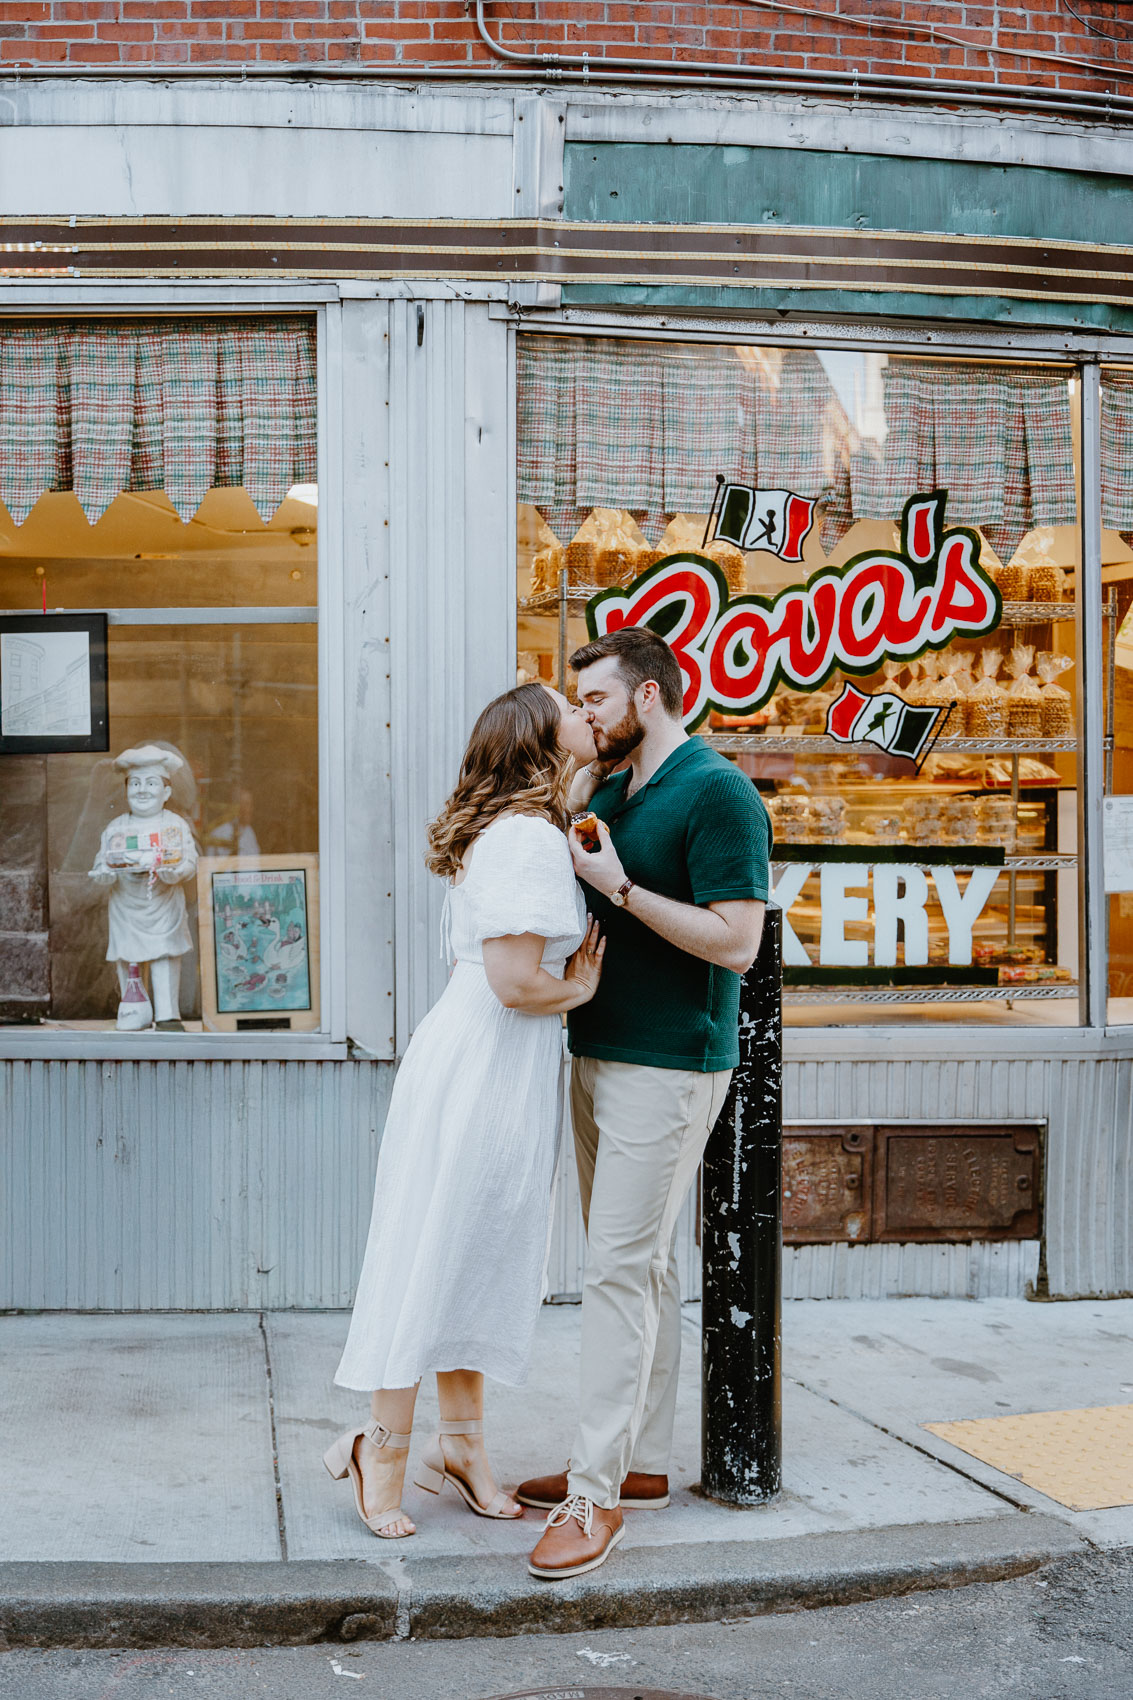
{"x": 145, "y": 856}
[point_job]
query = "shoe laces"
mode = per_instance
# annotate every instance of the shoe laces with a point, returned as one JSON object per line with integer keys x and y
{"x": 576, "y": 1506}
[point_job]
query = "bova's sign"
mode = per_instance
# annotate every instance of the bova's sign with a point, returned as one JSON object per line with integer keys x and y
{"x": 882, "y": 605}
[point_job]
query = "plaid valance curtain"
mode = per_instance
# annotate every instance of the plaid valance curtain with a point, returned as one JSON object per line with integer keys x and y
{"x": 997, "y": 438}
{"x": 648, "y": 427}
{"x": 1117, "y": 450}
{"x": 178, "y": 405}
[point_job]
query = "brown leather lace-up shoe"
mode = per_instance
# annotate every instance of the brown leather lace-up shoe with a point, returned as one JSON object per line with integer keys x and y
{"x": 579, "y": 1536}
{"x": 639, "y": 1492}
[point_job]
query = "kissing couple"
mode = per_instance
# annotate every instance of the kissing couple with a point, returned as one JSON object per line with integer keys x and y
{"x": 644, "y": 958}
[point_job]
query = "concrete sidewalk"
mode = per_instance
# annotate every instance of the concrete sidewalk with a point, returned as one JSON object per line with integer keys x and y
{"x": 162, "y": 1479}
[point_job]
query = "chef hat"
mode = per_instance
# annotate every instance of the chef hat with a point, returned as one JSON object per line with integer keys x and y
{"x": 150, "y": 755}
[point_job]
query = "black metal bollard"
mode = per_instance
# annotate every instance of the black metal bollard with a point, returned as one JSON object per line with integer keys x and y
{"x": 741, "y": 1252}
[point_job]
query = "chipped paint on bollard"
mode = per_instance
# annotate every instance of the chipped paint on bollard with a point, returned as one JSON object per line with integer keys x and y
{"x": 741, "y": 1250}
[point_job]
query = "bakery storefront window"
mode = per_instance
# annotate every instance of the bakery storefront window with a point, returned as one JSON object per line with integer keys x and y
{"x": 868, "y": 564}
{"x": 159, "y": 840}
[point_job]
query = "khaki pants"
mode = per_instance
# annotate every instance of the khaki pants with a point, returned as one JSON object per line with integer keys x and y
{"x": 639, "y": 1134}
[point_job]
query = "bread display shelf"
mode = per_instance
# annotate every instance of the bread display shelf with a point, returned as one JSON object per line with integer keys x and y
{"x": 1032, "y": 613}
{"x": 915, "y": 859}
{"x": 1064, "y": 989}
{"x": 818, "y": 744}
{"x": 578, "y": 595}
{"x": 548, "y": 601}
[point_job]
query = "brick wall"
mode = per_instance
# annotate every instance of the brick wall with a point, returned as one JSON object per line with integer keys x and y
{"x": 890, "y": 35}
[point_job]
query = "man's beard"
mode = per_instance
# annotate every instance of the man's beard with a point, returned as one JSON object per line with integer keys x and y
{"x": 621, "y": 740}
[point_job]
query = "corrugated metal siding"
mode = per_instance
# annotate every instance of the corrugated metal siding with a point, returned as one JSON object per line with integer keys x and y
{"x": 1089, "y": 1178}
{"x": 1007, "y": 1270}
{"x": 452, "y": 589}
{"x": 184, "y": 1186}
{"x": 247, "y": 1184}
{"x": 1088, "y": 1103}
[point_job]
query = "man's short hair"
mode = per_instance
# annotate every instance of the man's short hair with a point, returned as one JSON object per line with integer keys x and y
{"x": 641, "y": 656}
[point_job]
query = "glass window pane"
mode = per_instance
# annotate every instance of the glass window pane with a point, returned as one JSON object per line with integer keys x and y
{"x": 942, "y": 884}
{"x": 223, "y": 924}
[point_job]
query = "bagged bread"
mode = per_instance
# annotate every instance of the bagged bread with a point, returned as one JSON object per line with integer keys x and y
{"x": 684, "y": 534}
{"x": 731, "y": 561}
{"x": 546, "y": 569}
{"x": 1044, "y": 582}
{"x": 581, "y": 560}
{"x": 944, "y": 691}
{"x": 985, "y": 707}
{"x": 1057, "y": 714}
{"x": 883, "y": 828}
{"x": 623, "y": 551}
{"x": 923, "y": 816}
{"x": 1011, "y": 581}
{"x": 997, "y": 823}
{"x": 828, "y": 819}
{"x": 959, "y": 820}
{"x": 962, "y": 681}
{"x": 1024, "y": 700}
{"x": 925, "y": 673}
{"x": 617, "y": 557}
{"x": 790, "y": 817}
{"x": 593, "y": 540}
{"x": 1038, "y": 555}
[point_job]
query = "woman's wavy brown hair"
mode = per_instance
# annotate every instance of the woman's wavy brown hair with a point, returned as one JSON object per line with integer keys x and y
{"x": 513, "y": 764}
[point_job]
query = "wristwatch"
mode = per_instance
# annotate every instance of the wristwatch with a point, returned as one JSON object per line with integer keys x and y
{"x": 619, "y": 897}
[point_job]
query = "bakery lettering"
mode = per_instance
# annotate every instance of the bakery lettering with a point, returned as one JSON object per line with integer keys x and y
{"x": 900, "y": 898}
{"x": 882, "y": 605}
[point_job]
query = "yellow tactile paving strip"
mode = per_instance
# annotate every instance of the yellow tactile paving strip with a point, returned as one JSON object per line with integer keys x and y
{"x": 1081, "y": 1459}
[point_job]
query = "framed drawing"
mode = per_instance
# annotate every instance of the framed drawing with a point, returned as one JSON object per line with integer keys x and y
{"x": 53, "y": 683}
{"x": 259, "y": 926}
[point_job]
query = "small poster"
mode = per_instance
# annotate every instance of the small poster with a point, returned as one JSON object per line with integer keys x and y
{"x": 1117, "y": 827}
{"x": 259, "y": 941}
{"x": 53, "y": 683}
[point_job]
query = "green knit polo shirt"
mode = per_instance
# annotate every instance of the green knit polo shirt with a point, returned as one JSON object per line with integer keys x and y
{"x": 696, "y": 831}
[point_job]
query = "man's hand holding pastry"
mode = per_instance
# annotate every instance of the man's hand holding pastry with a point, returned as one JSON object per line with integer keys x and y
{"x": 600, "y": 868}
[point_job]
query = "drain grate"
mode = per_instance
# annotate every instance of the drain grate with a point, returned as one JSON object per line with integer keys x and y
{"x": 572, "y": 1693}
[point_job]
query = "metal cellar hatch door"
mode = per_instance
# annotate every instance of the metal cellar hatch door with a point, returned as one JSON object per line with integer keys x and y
{"x": 866, "y": 1182}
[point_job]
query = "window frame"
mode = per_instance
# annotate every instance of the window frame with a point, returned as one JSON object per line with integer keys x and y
{"x": 1082, "y": 354}
{"x": 329, "y": 1042}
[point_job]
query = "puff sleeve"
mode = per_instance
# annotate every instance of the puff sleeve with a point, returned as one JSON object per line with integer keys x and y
{"x": 522, "y": 881}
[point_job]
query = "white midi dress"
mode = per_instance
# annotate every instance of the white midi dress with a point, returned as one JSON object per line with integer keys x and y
{"x": 453, "y": 1271}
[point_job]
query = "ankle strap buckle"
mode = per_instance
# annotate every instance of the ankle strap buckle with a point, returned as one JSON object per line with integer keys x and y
{"x": 378, "y": 1435}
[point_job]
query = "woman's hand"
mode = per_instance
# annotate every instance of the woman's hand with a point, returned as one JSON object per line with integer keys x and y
{"x": 586, "y": 781}
{"x": 513, "y": 967}
{"x": 584, "y": 970}
{"x": 582, "y": 788}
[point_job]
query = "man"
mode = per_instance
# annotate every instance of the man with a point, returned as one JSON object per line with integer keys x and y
{"x": 679, "y": 884}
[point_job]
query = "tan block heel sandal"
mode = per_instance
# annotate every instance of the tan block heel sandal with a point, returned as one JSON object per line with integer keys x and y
{"x": 341, "y": 1460}
{"x": 433, "y": 1472}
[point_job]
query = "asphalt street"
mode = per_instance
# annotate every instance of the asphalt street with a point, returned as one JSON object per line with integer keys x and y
{"x": 1063, "y": 1633}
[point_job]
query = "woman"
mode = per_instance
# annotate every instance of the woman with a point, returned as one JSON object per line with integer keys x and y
{"x": 453, "y": 1272}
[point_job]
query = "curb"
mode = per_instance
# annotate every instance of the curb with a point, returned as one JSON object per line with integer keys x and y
{"x": 288, "y": 1604}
